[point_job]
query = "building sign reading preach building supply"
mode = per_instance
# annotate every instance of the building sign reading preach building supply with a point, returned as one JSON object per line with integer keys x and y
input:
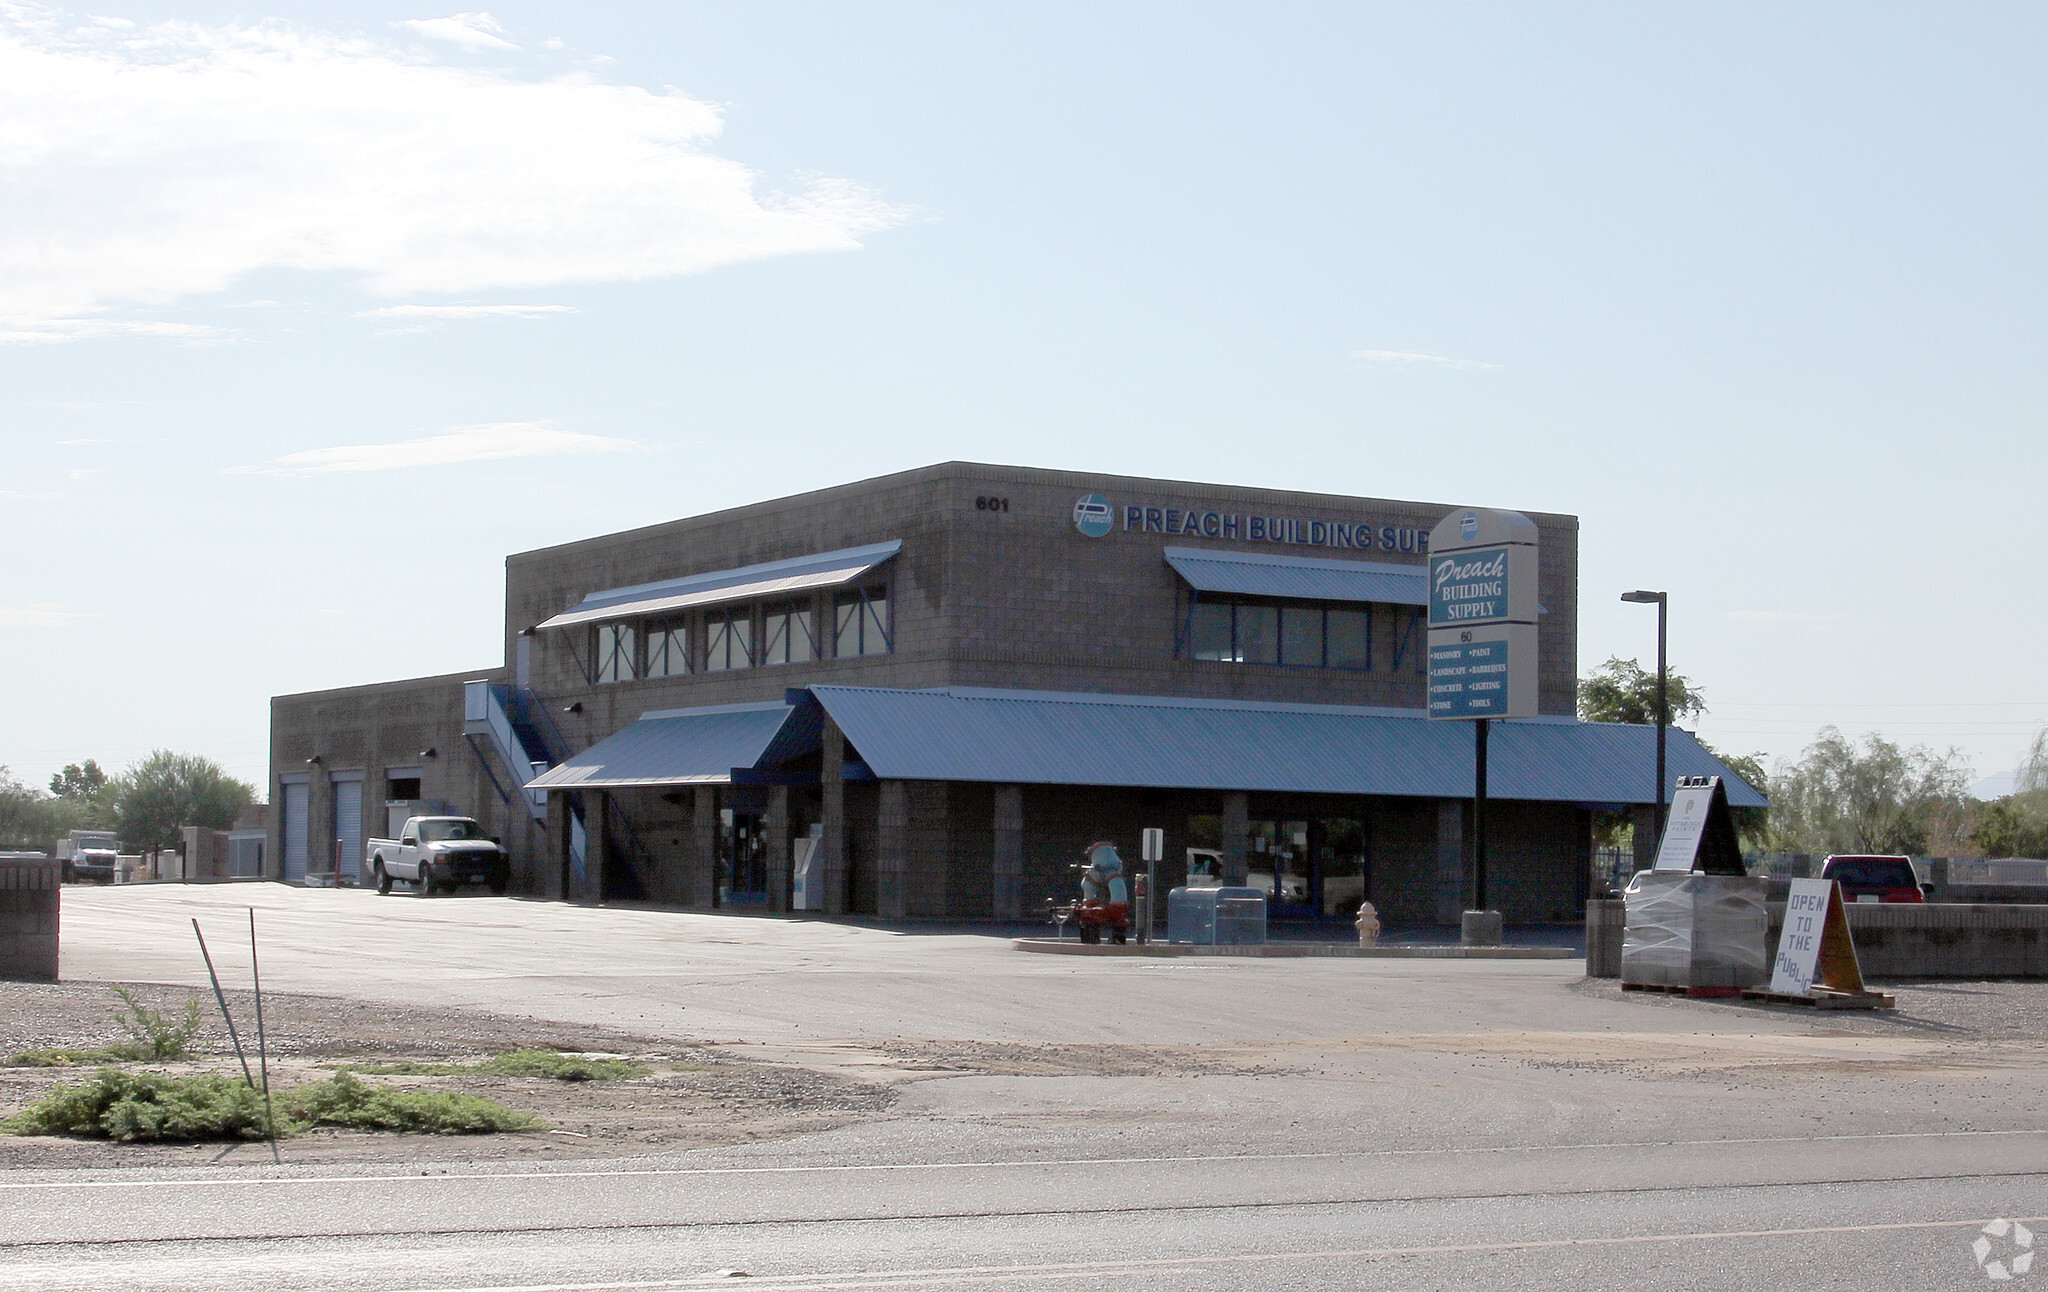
{"x": 1482, "y": 615}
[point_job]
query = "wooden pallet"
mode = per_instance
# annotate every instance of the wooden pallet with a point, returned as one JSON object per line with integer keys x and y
{"x": 1826, "y": 998}
{"x": 1694, "y": 993}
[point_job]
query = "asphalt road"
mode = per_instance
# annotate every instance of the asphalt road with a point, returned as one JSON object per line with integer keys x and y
{"x": 1377, "y": 1124}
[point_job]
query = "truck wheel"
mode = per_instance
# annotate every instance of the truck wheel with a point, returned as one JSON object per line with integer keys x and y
{"x": 383, "y": 880}
{"x": 426, "y": 879}
{"x": 498, "y": 886}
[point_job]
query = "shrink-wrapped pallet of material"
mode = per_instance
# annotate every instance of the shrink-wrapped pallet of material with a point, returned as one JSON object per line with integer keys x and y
{"x": 1691, "y": 930}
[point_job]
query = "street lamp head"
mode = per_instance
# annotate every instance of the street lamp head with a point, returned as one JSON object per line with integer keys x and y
{"x": 1643, "y": 598}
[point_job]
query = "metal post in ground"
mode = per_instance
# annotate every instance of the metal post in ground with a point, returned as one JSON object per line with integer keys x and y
{"x": 221, "y": 997}
{"x": 262, "y": 1047}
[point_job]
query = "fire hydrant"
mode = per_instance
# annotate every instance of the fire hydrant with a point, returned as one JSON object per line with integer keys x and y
{"x": 1368, "y": 925}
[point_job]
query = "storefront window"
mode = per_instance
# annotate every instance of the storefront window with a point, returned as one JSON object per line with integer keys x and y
{"x": 1209, "y": 632}
{"x": 1347, "y": 637}
{"x": 668, "y": 650}
{"x": 1258, "y": 634}
{"x": 786, "y": 635}
{"x": 1340, "y": 865}
{"x": 1301, "y": 636}
{"x": 615, "y": 653}
{"x": 863, "y": 622}
{"x": 728, "y": 638}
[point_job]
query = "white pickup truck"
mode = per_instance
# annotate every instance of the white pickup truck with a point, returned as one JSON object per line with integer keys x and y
{"x": 440, "y": 852}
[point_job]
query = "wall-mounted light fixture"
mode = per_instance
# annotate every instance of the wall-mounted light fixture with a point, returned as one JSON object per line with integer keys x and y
{"x": 526, "y": 632}
{"x": 315, "y": 759}
{"x": 428, "y": 752}
{"x": 574, "y": 708}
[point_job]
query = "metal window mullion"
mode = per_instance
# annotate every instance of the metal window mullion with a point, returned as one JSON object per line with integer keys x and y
{"x": 867, "y": 605}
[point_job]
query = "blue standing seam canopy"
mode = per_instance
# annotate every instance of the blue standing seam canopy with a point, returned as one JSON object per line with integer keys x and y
{"x": 1304, "y": 578}
{"x": 672, "y": 747}
{"x": 822, "y": 570}
{"x": 1042, "y": 738}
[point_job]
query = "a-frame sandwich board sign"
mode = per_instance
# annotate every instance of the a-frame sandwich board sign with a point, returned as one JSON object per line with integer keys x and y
{"x": 1816, "y": 956}
{"x": 1699, "y": 830}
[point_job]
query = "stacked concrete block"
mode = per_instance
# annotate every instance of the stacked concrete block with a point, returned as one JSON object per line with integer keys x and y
{"x": 31, "y": 892}
{"x": 1943, "y": 940}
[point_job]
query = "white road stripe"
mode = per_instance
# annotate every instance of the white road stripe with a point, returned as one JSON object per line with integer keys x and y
{"x": 960, "y": 1275}
{"x": 154, "y": 1182}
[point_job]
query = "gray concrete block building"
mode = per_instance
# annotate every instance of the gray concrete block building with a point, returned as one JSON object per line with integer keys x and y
{"x": 927, "y": 692}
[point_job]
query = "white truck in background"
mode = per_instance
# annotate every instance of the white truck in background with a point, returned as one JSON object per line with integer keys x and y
{"x": 90, "y": 857}
{"x": 441, "y": 853}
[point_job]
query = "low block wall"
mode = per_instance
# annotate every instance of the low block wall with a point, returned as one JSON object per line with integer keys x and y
{"x": 1943, "y": 940}
{"x": 30, "y": 892}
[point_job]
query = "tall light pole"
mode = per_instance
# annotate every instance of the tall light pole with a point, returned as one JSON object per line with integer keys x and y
{"x": 1663, "y": 704}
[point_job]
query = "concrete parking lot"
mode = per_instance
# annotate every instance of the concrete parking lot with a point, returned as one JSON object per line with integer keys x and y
{"x": 1323, "y": 1123}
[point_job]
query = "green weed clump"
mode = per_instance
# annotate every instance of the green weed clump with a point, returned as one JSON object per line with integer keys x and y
{"x": 344, "y": 1101}
{"x": 514, "y": 1063}
{"x": 562, "y": 1067}
{"x": 155, "y": 1038}
{"x": 152, "y": 1039}
{"x": 131, "y": 1106}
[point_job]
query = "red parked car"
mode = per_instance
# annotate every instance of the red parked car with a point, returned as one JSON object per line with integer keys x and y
{"x": 1875, "y": 879}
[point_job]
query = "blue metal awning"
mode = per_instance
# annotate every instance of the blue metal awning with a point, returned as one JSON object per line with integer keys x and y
{"x": 672, "y": 747}
{"x": 1307, "y": 578}
{"x": 823, "y": 570}
{"x": 1045, "y": 738}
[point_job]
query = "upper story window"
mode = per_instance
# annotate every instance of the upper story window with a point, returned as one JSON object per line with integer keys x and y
{"x": 862, "y": 621}
{"x": 787, "y": 635}
{"x": 668, "y": 649}
{"x": 615, "y": 653}
{"x": 728, "y": 638}
{"x": 1305, "y": 634}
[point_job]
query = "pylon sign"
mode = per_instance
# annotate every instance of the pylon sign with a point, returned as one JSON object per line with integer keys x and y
{"x": 1482, "y": 615}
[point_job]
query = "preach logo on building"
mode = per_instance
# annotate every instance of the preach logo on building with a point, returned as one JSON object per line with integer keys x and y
{"x": 1094, "y": 516}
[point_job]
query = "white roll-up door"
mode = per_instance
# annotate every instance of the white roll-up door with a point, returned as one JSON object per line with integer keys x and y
{"x": 292, "y": 830}
{"x": 348, "y": 825}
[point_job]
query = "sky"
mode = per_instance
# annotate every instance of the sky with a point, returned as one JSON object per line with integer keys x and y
{"x": 312, "y": 313}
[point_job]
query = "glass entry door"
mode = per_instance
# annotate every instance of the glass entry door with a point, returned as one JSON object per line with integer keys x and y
{"x": 1308, "y": 869}
{"x": 742, "y": 858}
{"x": 1277, "y": 862}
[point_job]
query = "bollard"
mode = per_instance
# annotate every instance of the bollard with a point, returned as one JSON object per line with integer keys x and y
{"x": 1480, "y": 929}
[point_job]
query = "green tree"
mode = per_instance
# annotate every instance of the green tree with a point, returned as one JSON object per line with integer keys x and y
{"x": 2014, "y": 826}
{"x": 1621, "y": 691}
{"x": 154, "y": 798}
{"x": 81, "y": 792}
{"x": 30, "y": 820}
{"x": 1876, "y": 798}
{"x": 79, "y": 782}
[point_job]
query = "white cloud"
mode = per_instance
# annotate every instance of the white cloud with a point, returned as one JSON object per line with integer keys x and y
{"x": 83, "y": 473}
{"x": 16, "y": 495}
{"x": 1780, "y": 617}
{"x": 1416, "y": 359}
{"x": 16, "y": 329}
{"x": 440, "y": 313}
{"x": 43, "y": 614}
{"x": 488, "y": 442}
{"x": 145, "y": 165}
{"x": 469, "y": 30}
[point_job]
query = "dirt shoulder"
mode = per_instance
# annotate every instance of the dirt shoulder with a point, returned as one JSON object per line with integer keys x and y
{"x": 693, "y": 1096}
